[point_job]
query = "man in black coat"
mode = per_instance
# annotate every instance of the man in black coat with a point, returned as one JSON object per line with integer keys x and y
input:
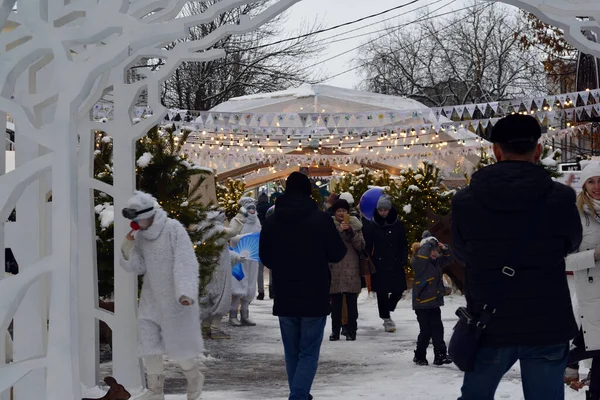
{"x": 297, "y": 243}
{"x": 387, "y": 245}
{"x": 513, "y": 220}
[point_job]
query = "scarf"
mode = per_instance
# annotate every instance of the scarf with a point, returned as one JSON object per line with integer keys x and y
{"x": 596, "y": 211}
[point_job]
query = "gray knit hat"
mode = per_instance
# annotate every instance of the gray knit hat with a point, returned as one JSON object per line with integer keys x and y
{"x": 384, "y": 203}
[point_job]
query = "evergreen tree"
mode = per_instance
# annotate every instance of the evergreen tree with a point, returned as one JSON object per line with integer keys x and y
{"x": 420, "y": 191}
{"x": 359, "y": 181}
{"x": 105, "y": 211}
{"x": 549, "y": 160}
{"x": 164, "y": 171}
{"x": 228, "y": 196}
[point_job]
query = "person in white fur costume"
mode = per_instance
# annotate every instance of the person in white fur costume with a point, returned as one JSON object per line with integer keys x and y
{"x": 244, "y": 291}
{"x": 168, "y": 314}
{"x": 215, "y": 303}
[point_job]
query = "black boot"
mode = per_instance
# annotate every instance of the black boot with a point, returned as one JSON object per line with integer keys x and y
{"x": 261, "y": 296}
{"x": 334, "y": 336}
{"x": 345, "y": 330}
{"x": 441, "y": 358}
{"x": 420, "y": 359}
{"x": 351, "y": 335}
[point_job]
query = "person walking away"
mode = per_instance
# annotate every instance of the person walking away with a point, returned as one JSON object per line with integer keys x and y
{"x": 168, "y": 313}
{"x": 215, "y": 303}
{"x": 244, "y": 291}
{"x": 345, "y": 275}
{"x": 302, "y": 281}
{"x": 429, "y": 259}
{"x": 388, "y": 247}
{"x": 585, "y": 266}
{"x": 516, "y": 263}
{"x": 262, "y": 206}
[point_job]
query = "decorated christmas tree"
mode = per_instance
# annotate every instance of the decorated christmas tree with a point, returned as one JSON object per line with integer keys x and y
{"x": 420, "y": 191}
{"x": 228, "y": 196}
{"x": 549, "y": 160}
{"x": 361, "y": 180}
{"x": 165, "y": 172}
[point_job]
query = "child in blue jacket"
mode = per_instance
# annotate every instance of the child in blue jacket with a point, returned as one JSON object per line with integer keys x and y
{"x": 430, "y": 257}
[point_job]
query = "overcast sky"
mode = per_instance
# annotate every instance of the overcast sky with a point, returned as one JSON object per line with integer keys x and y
{"x": 334, "y": 12}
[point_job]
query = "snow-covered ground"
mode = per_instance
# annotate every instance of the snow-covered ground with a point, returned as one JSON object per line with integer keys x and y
{"x": 377, "y": 365}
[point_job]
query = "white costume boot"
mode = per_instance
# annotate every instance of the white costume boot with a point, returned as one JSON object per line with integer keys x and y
{"x": 155, "y": 379}
{"x": 233, "y": 320}
{"x": 245, "y": 313}
{"x": 194, "y": 377}
{"x": 215, "y": 329}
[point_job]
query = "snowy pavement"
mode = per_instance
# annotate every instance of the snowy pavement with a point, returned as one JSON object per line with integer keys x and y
{"x": 377, "y": 365}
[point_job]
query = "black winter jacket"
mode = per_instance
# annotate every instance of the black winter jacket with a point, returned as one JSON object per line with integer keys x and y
{"x": 261, "y": 209}
{"x": 297, "y": 243}
{"x": 512, "y": 214}
{"x": 387, "y": 244}
{"x": 428, "y": 287}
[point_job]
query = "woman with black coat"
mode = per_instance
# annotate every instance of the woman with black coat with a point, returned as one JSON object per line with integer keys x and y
{"x": 387, "y": 245}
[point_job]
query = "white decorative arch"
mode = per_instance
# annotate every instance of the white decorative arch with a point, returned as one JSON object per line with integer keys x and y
{"x": 565, "y": 14}
{"x": 56, "y": 61}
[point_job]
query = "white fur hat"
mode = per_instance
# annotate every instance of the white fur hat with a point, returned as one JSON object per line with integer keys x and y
{"x": 348, "y": 197}
{"x": 142, "y": 201}
{"x": 590, "y": 170}
{"x": 247, "y": 202}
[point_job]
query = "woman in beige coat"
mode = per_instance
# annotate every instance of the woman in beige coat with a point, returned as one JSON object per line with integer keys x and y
{"x": 345, "y": 275}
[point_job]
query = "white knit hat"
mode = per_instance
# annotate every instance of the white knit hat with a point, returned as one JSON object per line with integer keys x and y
{"x": 142, "y": 201}
{"x": 348, "y": 197}
{"x": 590, "y": 170}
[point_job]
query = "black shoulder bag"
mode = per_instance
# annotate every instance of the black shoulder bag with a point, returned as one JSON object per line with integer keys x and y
{"x": 465, "y": 342}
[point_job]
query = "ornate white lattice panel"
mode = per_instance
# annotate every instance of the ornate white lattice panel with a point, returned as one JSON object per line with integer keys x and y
{"x": 573, "y": 16}
{"x": 57, "y": 59}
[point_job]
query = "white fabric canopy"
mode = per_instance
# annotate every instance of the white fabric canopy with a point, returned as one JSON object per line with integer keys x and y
{"x": 328, "y": 100}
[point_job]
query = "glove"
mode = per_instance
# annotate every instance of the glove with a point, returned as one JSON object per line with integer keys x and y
{"x": 244, "y": 212}
{"x": 126, "y": 248}
{"x": 597, "y": 254}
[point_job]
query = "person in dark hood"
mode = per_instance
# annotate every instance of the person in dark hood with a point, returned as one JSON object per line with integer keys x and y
{"x": 512, "y": 227}
{"x": 388, "y": 247}
{"x": 297, "y": 244}
{"x": 262, "y": 206}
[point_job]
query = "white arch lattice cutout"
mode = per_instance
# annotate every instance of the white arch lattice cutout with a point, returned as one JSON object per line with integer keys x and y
{"x": 56, "y": 61}
{"x": 563, "y": 14}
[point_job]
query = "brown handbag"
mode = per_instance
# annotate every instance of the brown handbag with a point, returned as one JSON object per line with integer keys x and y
{"x": 367, "y": 267}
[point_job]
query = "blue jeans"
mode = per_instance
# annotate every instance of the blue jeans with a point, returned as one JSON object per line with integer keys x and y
{"x": 542, "y": 370}
{"x": 302, "y": 338}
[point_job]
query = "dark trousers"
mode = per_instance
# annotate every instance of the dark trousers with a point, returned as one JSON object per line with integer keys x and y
{"x": 430, "y": 328}
{"x": 336, "y": 311}
{"x": 387, "y": 302}
{"x": 579, "y": 353}
{"x": 542, "y": 369}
